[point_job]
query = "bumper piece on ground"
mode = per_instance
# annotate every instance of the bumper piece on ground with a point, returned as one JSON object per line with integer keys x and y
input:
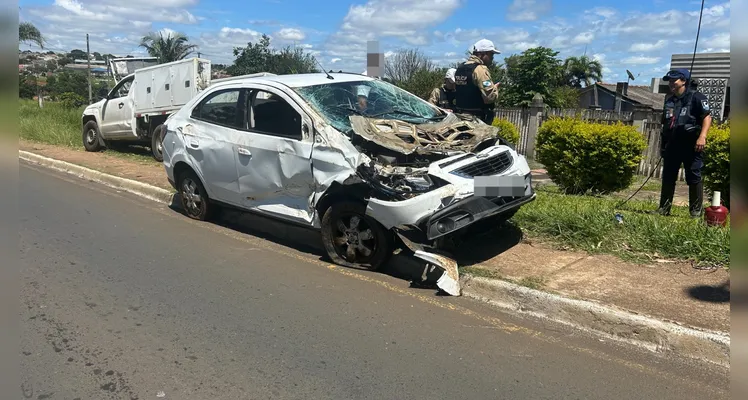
{"x": 449, "y": 280}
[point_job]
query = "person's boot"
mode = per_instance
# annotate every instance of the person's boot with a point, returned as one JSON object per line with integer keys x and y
{"x": 696, "y": 199}
{"x": 666, "y": 198}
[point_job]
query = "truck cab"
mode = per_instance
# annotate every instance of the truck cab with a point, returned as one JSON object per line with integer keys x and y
{"x": 135, "y": 110}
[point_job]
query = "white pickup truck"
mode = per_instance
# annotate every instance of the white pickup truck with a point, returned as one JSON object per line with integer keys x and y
{"x": 135, "y": 109}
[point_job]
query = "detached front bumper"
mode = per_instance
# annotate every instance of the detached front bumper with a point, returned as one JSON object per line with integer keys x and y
{"x": 470, "y": 210}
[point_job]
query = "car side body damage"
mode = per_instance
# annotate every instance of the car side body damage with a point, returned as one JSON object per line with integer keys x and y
{"x": 401, "y": 165}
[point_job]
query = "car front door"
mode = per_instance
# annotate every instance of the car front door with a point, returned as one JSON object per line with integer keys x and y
{"x": 274, "y": 157}
{"x": 117, "y": 116}
{"x": 215, "y": 125}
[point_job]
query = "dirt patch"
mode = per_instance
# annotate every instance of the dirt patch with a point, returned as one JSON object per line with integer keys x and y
{"x": 666, "y": 290}
{"x": 134, "y": 167}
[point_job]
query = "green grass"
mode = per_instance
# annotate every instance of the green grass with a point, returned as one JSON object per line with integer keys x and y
{"x": 588, "y": 223}
{"x": 52, "y": 124}
{"x": 60, "y": 126}
{"x": 532, "y": 282}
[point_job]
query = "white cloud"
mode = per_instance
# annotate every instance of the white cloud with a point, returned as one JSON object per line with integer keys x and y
{"x": 584, "y": 38}
{"x": 645, "y": 47}
{"x": 527, "y": 10}
{"x": 640, "y": 60}
{"x": 604, "y": 12}
{"x": 396, "y": 17}
{"x": 599, "y": 57}
{"x": 719, "y": 40}
{"x": 450, "y": 54}
{"x": 291, "y": 34}
{"x": 334, "y": 60}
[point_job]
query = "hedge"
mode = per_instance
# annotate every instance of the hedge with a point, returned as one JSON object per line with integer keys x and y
{"x": 717, "y": 161}
{"x": 507, "y": 130}
{"x": 583, "y": 157}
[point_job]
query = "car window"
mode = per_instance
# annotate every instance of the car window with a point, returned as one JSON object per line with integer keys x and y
{"x": 123, "y": 89}
{"x": 273, "y": 115}
{"x": 223, "y": 107}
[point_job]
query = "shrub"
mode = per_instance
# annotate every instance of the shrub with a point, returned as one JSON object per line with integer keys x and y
{"x": 717, "y": 161}
{"x": 71, "y": 100}
{"x": 583, "y": 157}
{"x": 507, "y": 130}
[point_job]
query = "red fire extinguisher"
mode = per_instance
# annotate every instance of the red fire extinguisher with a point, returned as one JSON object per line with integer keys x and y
{"x": 717, "y": 213}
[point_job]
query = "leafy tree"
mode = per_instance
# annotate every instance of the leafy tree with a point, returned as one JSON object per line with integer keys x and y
{"x": 260, "y": 57}
{"x": 578, "y": 70}
{"x": 173, "y": 47}
{"x": 77, "y": 54}
{"x": 535, "y": 71}
{"x": 403, "y": 65}
{"x": 29, "y": 33}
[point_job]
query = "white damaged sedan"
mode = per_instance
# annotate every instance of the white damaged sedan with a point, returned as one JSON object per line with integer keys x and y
{"x": 366, "y": 163}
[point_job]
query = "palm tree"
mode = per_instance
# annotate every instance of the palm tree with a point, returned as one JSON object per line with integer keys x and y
{"x": 173, "y": 47}
{"x": 27, "y": 32}
{"x": 578, "y": 70}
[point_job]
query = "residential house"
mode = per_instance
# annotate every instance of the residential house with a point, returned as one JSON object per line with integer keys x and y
{"x": 711, "y": 73}
{"x": 620, "y": 97}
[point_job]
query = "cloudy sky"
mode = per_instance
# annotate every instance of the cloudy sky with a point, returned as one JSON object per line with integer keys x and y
{"x": 639, "y": 35}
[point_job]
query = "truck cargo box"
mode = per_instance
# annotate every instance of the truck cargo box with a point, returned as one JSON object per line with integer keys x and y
{"x": 165, "y": 88}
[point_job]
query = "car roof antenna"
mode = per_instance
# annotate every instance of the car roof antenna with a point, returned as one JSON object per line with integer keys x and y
{"x": 323, "y": 69}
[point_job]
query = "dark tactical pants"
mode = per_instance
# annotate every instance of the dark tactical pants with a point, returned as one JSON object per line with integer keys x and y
{"x": 692, "y": 161}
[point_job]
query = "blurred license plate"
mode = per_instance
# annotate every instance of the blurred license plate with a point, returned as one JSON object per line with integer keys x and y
{"x": 499, "y": 186}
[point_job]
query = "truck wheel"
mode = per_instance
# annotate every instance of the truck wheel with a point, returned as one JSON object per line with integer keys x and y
{"x": 157, "y": 143}
{"x": 91, "y": 139}
{"x": 194, "y": 198}
{"x": 353, "y": 239}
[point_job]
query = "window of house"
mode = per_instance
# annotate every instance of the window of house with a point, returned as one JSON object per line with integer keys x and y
{"x": 223, "y": 108}
{"x": 274, "y": 116}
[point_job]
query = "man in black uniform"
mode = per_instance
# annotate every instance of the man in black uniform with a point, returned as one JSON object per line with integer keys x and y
{"x": 686, "y": 121}
{"x": 475, "y": 92}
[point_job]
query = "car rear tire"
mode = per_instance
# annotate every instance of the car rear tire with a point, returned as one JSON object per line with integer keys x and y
{"x": 193, "y": 197}
{"x": 157, "y": 143}
{"x": 353, "y": 239}
{"x": 91, "y": 139}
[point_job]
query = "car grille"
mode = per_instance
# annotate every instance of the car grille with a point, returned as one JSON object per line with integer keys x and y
{"x": 490, "y": 166}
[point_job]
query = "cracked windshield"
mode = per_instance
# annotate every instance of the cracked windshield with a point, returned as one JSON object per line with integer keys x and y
{"x": 337, "y": 101}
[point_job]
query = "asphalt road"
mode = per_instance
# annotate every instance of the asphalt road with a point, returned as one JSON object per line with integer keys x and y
{"x": 122, "y": 298}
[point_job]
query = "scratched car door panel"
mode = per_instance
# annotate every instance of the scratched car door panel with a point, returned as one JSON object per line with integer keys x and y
{"x": 273, "y": 159}
{"x": 210, "y": 139}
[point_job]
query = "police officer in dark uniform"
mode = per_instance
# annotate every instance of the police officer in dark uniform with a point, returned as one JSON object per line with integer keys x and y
{"x": 686, "y": 121}
{"x": 475, "y": 92}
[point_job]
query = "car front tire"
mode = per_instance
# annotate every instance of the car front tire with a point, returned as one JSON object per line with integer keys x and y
{"x": 353, "y": 239}
{"x": 91, "y": 140}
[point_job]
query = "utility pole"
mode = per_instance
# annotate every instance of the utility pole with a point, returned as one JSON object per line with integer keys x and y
{"x": 88, "y": 61}
{"x": 198, "y": 54}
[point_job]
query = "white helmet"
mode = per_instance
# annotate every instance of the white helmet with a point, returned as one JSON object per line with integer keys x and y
{"x": 450, "y": 74}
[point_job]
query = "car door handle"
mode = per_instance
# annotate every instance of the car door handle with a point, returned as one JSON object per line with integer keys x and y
{"x": 121, "y": 105}
{"x": 244, "y": 152}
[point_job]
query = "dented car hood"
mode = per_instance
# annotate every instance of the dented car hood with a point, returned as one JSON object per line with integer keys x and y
{"x": 450, "y": 136}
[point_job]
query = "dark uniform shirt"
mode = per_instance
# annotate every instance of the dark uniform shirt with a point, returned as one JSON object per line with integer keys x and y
{"x": 682, "y": 118}
{"x": 442, "y": 97}
{"x": 475, "y": 92}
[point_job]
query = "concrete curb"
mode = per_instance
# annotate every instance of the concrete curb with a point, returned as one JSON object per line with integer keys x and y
{"x": 139, "y": 188}
{"x": 616, "y": 324}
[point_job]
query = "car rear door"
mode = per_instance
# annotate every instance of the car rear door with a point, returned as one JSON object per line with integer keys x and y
{"x": 210, "y": 136}
{"x": 274, "y": 156}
